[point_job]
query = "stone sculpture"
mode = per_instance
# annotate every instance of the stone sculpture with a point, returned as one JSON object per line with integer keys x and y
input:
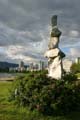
{"x": 54, "y": 54}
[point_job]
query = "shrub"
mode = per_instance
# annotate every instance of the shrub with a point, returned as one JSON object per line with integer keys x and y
{"x": 69, "y": 77}
{"x": 47, "y": 95}
{"x": 75, "y": 68}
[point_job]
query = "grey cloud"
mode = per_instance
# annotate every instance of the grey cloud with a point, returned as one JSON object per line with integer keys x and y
{"x": 26, "y": 23}
{"x": 33, "y": 14}
{"x": 37, "y": 56}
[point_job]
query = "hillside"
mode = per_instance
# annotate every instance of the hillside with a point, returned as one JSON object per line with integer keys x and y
{"x": 4, "y": 65}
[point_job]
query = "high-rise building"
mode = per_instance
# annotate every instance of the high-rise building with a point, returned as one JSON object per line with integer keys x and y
{"x": 67, "y": 65}
{"x": 41, "y": 65}
{"x": 21, "y": 66}
{"x": 31, "y": 67}
{"x": 77, "y": 60}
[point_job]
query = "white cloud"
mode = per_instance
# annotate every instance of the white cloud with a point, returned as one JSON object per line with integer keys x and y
{"x": 13, "y": 50}
{"x": 74, "y": 33}
{"x": 75, "y": 52}
{"x": 22, "y": 57}
{"x": 17, "y": 53}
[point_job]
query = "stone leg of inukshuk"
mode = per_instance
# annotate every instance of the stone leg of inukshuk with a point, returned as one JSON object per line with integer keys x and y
{"x": 54, "y": 54}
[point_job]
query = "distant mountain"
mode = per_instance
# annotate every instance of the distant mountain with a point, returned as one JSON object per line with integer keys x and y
{"x": 4, "y": 65}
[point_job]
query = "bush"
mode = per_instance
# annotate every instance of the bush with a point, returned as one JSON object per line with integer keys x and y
{"x": 69, "y": 77}
{"x": 75, "y": 68}
{"x": 46, "y": 95}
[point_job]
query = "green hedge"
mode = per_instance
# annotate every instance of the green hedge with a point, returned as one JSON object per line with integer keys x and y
{"x": 47, "y": 95}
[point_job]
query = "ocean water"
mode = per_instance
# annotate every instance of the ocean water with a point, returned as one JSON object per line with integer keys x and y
{"x": 8, "y": 75}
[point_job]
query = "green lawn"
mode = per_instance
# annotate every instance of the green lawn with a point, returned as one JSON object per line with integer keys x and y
{"x": 9, "y": 111}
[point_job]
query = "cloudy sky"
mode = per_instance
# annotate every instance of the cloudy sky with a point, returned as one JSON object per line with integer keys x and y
{"x": 25, "y": 28}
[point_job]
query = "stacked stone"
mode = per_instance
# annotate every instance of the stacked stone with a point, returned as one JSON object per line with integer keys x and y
{"x": 54, "y": 54}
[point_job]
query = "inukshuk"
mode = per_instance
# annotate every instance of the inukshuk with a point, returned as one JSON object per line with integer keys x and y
{"x": 54, "y": 54}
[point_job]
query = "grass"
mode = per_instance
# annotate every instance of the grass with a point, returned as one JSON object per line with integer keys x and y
{"x": 9, "y": 111}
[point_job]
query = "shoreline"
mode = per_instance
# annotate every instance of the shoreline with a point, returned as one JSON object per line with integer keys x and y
{"x": 7, "y": 79}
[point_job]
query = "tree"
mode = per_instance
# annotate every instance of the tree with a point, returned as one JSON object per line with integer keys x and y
{"x": 75, "y": 68}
